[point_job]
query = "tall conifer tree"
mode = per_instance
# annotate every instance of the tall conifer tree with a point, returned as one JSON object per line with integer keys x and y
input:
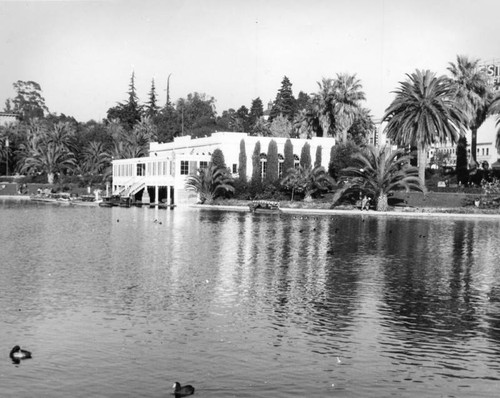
{"x": 272, "y": 163}
{"x": 285, "y": 101}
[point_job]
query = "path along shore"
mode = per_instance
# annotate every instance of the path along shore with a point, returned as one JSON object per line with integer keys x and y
{"x": 408, "y": 213}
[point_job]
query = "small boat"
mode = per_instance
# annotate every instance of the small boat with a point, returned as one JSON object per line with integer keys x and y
{"x": 110, "y": 201}
{"x": 264, "y": 206}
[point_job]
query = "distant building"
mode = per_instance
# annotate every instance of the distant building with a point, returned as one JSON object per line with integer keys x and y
{"x": 162, "y": 174}
{"x": 8, "y": 117}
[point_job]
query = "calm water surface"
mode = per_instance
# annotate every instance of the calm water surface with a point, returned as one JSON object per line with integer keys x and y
{"x": 113, "y": 304}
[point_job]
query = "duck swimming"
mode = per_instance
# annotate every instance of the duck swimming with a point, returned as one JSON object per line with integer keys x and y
{"x": 180, "y": 391}
{"x": 17, "y": 354}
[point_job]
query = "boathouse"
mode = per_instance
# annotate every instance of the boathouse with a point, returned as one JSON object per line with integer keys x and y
{"x": 161, "y": 176}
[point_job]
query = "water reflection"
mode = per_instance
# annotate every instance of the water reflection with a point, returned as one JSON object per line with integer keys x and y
{"x": 261, "y": 304}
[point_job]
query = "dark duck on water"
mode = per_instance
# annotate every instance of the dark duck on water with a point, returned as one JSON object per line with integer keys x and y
{"x": 17, "y": 354}
{"x": 180, "y": 391}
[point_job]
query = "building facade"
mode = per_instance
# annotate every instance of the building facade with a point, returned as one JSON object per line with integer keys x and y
{"x": 161, "y": 176}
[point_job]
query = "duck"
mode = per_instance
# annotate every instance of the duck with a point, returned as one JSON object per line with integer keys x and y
{"x": 17, "y": 353}
{"x": 182, "y": 391}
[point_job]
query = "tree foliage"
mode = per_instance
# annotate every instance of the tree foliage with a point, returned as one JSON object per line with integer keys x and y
{"x": 284, "y": 103}
{"x": 305, "y": 155}
{"x": 376, "y": 173}
{"x": 210, "y": 183}
{"x": 424, "y": 112}
{"x": 28, "y": 102}
{"x": 289, "y": 159}
{"x": 272, "y": 163}
{"x": 242, "y": 160}
{"x": 308, "y": 181}
{"x": 218, "y": 159}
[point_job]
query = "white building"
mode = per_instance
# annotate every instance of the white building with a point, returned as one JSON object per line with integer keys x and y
{"x": 162, "y": 175}
{"x": 486, "y": 138}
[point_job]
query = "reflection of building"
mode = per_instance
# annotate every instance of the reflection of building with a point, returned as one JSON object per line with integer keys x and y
{"x": 163, "y": 173}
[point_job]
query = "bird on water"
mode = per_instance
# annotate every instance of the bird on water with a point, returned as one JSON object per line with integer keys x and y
{"x": 182, "y": 391}
{"x": 16, "y": 354}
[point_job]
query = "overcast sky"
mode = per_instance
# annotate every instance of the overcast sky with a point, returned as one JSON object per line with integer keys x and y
{"x": 82, "y": 53}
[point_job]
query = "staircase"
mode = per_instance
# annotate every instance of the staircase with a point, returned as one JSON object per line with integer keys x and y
{"x": 130, "y": 188}
{"x": 133, "y": 189}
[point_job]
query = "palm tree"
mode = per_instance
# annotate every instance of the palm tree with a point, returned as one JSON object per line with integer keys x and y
{"x": 337, "y": 104}
{"x": 423, "y": 113}
{"x": 474, "y": 94}
{"x": 307, "y": 180}
{"x": 95, "y": 158}
{"x": 348, "y": 94}
{"x": 323, "y": 106}
{"x": 50, "y": 159}
{"x": 376, "y": 173}
{"x": 210, "y": 183}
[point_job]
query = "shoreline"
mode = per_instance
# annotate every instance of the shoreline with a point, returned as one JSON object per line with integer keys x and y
{"x": 416, "y": 213}
{"x": 413, "y": 213}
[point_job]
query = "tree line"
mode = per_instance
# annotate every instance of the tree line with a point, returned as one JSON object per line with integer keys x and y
{"x": 427, "y": 109}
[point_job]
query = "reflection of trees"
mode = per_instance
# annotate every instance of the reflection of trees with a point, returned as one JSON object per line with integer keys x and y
{"x": 432, "y": 290}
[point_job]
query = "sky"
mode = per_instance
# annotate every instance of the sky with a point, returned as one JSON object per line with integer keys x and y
{"x": 82, "y": 53}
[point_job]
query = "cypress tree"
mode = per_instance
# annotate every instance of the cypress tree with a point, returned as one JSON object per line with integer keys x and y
{"x": 218, "y": 159}
{"x": 242, "y": 167}
{"x": 256, "y": 163}
{"x": 318, "y": 160}
{"x": 289, "y": 161}
{"x": 305, "y": 156}
{"x": 272, "y": 163}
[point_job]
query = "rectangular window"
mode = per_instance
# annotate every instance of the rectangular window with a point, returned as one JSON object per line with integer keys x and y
{"x": 184, "y": 167}
{"x": 235, "y": 168}
{"x": 141, "y": 169}
{"x": 487, "y": 151}
{"x": 203, "y": 164}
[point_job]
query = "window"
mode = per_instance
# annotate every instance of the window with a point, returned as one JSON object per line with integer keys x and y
{"x": 141, "y": 169}
{"x": 203, "y": 164}
{"x": 487, "y": 151}
{"x": 235, "y": 168}
{"x": 281, "y": 160}
{"x": 184, "y": 167}
{"x": 263, "y": 165}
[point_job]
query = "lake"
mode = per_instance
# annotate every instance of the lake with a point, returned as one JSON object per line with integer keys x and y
{"x": 116, "y": 302}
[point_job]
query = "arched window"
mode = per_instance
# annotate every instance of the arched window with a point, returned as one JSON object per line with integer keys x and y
{"x": 263, "y": 165}
{"x": 281, "y": 160}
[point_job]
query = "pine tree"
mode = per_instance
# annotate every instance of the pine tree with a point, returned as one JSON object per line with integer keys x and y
{"x": 151, "y": 107}
{"x": 285, "y": 101}
{"x": 256, "y": 111}
{"x": 305, "y": 156}
{"x": 130, "y": 112}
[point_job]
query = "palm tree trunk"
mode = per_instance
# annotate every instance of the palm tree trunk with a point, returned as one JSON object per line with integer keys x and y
{"x": 50, "y": 178}
{"x": 382, "y": 202}
{"x": 422, "y": 159}
{"x": 473, "y": 146}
